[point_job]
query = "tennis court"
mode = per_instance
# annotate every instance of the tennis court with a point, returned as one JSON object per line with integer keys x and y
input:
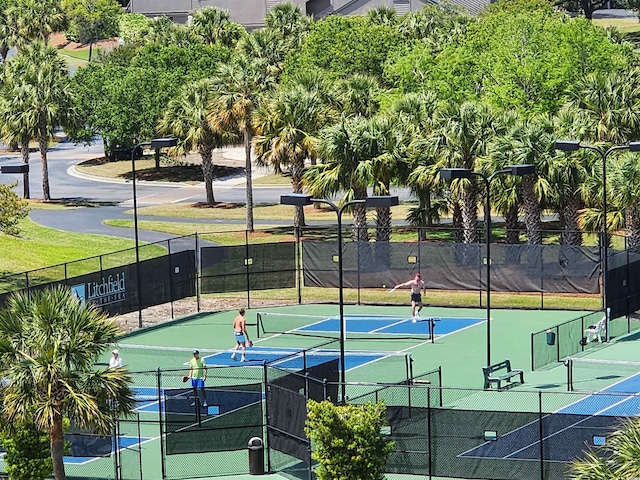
{"x": 428, "y": 326}
{"x": 382, "y": 344}
{"x": 571, "y": 429}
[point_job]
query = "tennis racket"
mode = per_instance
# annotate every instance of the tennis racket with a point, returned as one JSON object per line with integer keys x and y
{"x": 392, "y": 290}
{"x": 184, "y": 379}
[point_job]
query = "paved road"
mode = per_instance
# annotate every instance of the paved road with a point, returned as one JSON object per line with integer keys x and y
{"x": 66, "y": 183}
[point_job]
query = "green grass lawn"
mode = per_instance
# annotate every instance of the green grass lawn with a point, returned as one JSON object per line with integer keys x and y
{"x": 38, "y": 247}
{"x": 623, "y": 24}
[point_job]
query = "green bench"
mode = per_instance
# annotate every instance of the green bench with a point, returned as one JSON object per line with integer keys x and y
{"x": 499, "y": 372}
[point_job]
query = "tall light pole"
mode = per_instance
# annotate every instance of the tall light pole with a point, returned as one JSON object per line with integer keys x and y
{"x": 574, "y": 145}
{"x": 156, "y": 143}
{"x": 301, "y": 199}
{"x": 455, "y": 173}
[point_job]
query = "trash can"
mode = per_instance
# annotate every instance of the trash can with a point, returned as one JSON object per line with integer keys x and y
{"x": 551, "y": 337}
{"x": 256, "y": 456}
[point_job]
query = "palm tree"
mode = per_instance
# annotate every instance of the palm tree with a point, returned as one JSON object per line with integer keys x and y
{"x": 49, "y": 344}
{"x": 533, "y": 143}
{"x": 267, "y": 45}
{"x": 287, "y": 126}
{"x": 212, "y": 25}
{"x": 40, "y": 78}
{"x": 7, "y": 31}
{"x": 239, "y": 86}
{"x": 625, "y": 195}
{"x": 186, "y": 118}
{"x": 350, "y": 152}
{"x": 14, "y": 127}
{"x": 287, "y": 19}
{"x": 358, "y": 95}
{"x": 611, "y": 104}
{"x": 388, "y": 140}
{"x": 36, "y": 19}
{"x": 415, "y": 113}
{"x": 618, "y": 458}
{"x": 461, "y": 137}
{"x": 437, "y": 25}
{"x": 382, "y": 15}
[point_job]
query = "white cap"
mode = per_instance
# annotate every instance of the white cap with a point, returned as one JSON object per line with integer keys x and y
{"x": 116, "y": 352}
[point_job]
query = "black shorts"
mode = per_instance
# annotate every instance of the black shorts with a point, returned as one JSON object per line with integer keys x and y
{"x": 416, "y": 297}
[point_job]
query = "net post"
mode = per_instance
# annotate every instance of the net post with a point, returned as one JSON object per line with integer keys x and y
{"x": 432, "y": 330}
{"x": 533, "y": 354}
{"x": 265, "y": 374}
{"x": 570, "y": 375}
{"x": 440, "y": 384}
{"x": 258, "y": 322}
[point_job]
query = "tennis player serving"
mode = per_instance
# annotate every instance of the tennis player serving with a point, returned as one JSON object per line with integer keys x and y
{"x": 417, "y": 285}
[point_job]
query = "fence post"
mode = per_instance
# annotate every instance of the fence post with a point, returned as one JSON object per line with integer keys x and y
{"x": 246, "y": 263}
{"x": 267, "y": 387}
{"x": 429, "y": 439}
{"x": 116, "y": 447}
{"x": 198, "y": 254}
{"x": 163, "y": 466}
{"x": 541, "y": 436}
{"x": 298, "y": 267}
{"x": 170, "y": 276}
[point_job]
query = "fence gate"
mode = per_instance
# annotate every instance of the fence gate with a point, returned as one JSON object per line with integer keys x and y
{"x": 128, "y": 446}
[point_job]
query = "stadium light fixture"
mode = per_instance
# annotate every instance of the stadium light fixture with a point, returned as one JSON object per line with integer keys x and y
{"x": 377, "y": 201}
{"x": 459, "y": 173}
{"x": 156, "y": 143}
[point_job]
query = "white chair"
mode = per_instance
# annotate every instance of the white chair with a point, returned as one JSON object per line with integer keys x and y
{"x": 599, "y": 330}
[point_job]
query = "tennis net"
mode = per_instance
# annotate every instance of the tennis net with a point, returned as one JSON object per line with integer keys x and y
{"x": 358, "y": 327}
{"x": 594, "y": 374}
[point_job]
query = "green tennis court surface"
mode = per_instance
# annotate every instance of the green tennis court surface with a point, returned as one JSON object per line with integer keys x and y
{"x": 382, "y": 344}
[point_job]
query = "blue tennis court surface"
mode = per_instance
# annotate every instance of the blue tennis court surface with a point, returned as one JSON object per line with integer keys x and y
{"x": 291, "y": 358}
{"x": 393, "y": 325}
{"x": 570, "y": 430}
{"x": 123, "y": 442}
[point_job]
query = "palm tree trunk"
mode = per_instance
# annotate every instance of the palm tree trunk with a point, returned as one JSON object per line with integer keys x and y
{"x": 247, "y": 153}
{"x": 43, "y": 143}
{"x": 470, "y": 214}
{"x": 511, "y": 222}
{"x": 383, "y": 224}
{"x": 361, "y": 233}
{"x": 571, "y": 232}
{"x": 532, "y": 210}
{"x": 297, "y": 167}
{"x": 56, "y": 436}
{"x": 458, "y": 234}
{"x": 207, "y": 172}
{"x": 632, "y": 220}
{"x": 24, "y": 151}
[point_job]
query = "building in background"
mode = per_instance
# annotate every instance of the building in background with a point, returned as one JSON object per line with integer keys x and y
{"x": 251, "y": 13}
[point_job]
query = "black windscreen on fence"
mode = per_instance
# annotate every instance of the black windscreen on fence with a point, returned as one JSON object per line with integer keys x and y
{"x": 623, "y": 282}
{"x": 162, "y": 280}
{"x": 232, "y": 416}
{"x": 322, "y": 383}
{"x": 255, "y": 267}
{"x": 287, "y": 412}
{"x": 454, "y": 266}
